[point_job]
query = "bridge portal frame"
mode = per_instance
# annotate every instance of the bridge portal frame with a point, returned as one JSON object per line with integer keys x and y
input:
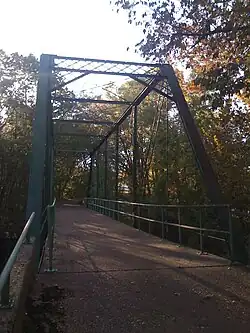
{"x": 159, "y": 78}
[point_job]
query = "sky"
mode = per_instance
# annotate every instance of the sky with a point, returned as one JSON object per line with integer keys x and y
{"x": 82, "y": 28}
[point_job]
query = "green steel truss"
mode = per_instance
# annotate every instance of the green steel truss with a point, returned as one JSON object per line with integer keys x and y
{"x": 159, "y": 78}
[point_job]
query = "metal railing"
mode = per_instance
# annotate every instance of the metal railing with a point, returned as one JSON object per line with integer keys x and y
{"x": 38, "y": 245}
{"x": 51, "y": 231}
{"x": 5, "y": 274}
{"x": 169, "y": 217}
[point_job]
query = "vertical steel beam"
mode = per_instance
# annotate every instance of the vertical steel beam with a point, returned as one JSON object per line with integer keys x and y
{"x": 117, "y": 164}
{"x": 52, "y": 194}
{"x": 36, "y": 177}
{"x": 135, "y": 161}
{"x": 89, "y": 192}
{"x": 48, "y": 195}
{"x": 208, "y": 175}
{"x": 135, "y": 154}
{"x": 97, "y": 174}
{"x": 166, "y": 190}
{"x": 106, "y": 169}
{"x": 116, "y": 171}
{"x": 52, "y": 156}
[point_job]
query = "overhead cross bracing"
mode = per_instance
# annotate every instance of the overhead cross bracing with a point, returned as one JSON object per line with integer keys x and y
{"x": 75, "y": 69}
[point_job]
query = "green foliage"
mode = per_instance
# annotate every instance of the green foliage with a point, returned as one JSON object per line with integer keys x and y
{"x": 13, "y": 188}
{"x": 211, "y": 37}
{"x": 17, "y": 99}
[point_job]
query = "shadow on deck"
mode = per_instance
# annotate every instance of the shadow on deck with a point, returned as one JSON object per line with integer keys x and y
{"x": 118, "y": 279}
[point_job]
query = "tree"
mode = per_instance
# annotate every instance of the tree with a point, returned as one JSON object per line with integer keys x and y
{"x": 209, "y": 36}
{"x": 18, "y": 79}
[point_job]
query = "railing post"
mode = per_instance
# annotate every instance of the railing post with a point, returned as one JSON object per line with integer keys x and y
{"x": 105, "y": 209}
{"x": 179, "y": 222}
{"x": 166, "y": 227}
{"x": 149, "y": 223}
{"x": 139, "y": 214}
{"x": 113, "y": 207}
{"x": 201, "y": 232}
{"x": 108, "y": 208}
{"x": 118, "y": 214}
{"x": 132, "y": 211}
{"x": 89, "y": 188}
{"x": 97, "y": 174}
{"x": 162, "y": 224}
{"x": 51, "y": 228}
{"x": 50, "y": 238}
{"x": 230, "y": 225}
{"x": 106, "y": 169}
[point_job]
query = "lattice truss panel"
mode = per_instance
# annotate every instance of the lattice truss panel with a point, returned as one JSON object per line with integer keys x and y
{"x": 78, "y": 99}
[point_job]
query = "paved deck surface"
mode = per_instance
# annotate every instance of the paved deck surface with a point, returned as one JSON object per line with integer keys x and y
{"x": 117, "y": 279}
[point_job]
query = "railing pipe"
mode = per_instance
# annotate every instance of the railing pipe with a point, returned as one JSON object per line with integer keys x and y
{"x": 4, "y": 277}
{"x": 179, "y": 229}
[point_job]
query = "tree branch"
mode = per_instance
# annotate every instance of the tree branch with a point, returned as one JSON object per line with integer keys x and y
{"x": 213, "y": 32}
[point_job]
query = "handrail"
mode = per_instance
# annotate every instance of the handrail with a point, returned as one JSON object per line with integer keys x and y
{"x": 12, "y": 258}
{"x": 184, "y": 226}
{"x": 158, "y": 205}
{"x": 103, "y": 206}
{"x": 5, "y": 274}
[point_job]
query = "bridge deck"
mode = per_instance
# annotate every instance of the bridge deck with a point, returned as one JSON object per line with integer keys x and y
{"x": 113, "y": 278}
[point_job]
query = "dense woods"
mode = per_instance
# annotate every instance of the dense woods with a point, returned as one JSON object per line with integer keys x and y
{"x": 210, "y": 38}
